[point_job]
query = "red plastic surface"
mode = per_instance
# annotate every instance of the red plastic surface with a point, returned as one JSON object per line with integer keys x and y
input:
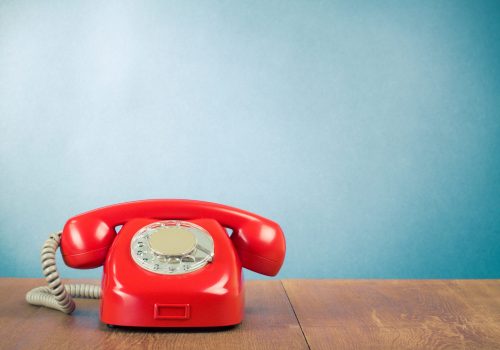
{"x": 88, "y": 236}
{"x": 211, "y": 296}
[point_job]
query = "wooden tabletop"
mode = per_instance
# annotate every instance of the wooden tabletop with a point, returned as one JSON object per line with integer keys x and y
{"x": 288, "y": 314}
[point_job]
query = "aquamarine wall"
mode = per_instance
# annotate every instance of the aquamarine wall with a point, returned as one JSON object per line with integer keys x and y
{"x": 370, "y": 130}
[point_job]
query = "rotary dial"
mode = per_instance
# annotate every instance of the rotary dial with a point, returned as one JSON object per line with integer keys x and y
{"x": 172, "y": 247}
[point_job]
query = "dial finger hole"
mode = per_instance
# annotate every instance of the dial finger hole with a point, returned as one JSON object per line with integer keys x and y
{"x": 188, "y": 258}
{"x": 173, "y": 261}
{"x": 161, "y": 258}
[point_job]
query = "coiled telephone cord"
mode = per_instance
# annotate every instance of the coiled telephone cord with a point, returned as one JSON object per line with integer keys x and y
{"x": 57, "y": 295}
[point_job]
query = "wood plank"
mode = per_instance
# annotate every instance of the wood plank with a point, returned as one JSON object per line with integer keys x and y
{"x": 269, "y": 324}
{"x": 397, "y": 314}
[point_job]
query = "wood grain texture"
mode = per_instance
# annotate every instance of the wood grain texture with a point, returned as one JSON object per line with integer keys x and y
{"x": 397, "y": 314}
{"x": 333, "y": 314}
{"x": 269, "y": 324}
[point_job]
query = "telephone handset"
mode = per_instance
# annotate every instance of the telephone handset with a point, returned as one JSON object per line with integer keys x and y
{"x": 172, "y": 264}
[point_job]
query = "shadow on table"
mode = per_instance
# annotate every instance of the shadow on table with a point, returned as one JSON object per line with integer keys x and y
{"x": 168, "y": 330}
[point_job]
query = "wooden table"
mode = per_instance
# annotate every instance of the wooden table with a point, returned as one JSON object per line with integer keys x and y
{"x": 288, "y": 314}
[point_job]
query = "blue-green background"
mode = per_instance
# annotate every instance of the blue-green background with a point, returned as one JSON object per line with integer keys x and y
{"x": 370, "y": 130}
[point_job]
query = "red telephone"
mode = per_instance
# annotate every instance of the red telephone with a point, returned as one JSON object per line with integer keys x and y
{"x": 172, "y": 264}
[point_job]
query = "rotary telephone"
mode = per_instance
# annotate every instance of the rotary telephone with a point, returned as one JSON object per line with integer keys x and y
{"x": 172, "y": 264}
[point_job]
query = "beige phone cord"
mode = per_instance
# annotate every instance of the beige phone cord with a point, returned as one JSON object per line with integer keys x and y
{"x": 57, "y": 295}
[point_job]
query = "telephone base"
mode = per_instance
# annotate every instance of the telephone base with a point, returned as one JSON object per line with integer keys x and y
{"x": 230, "y": 318}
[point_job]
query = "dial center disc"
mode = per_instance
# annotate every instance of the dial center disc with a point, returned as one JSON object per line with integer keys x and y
{"x": 172, "y": 241}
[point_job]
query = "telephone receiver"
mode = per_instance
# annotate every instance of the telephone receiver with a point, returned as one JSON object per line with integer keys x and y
{"x": 172, "y": 263}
